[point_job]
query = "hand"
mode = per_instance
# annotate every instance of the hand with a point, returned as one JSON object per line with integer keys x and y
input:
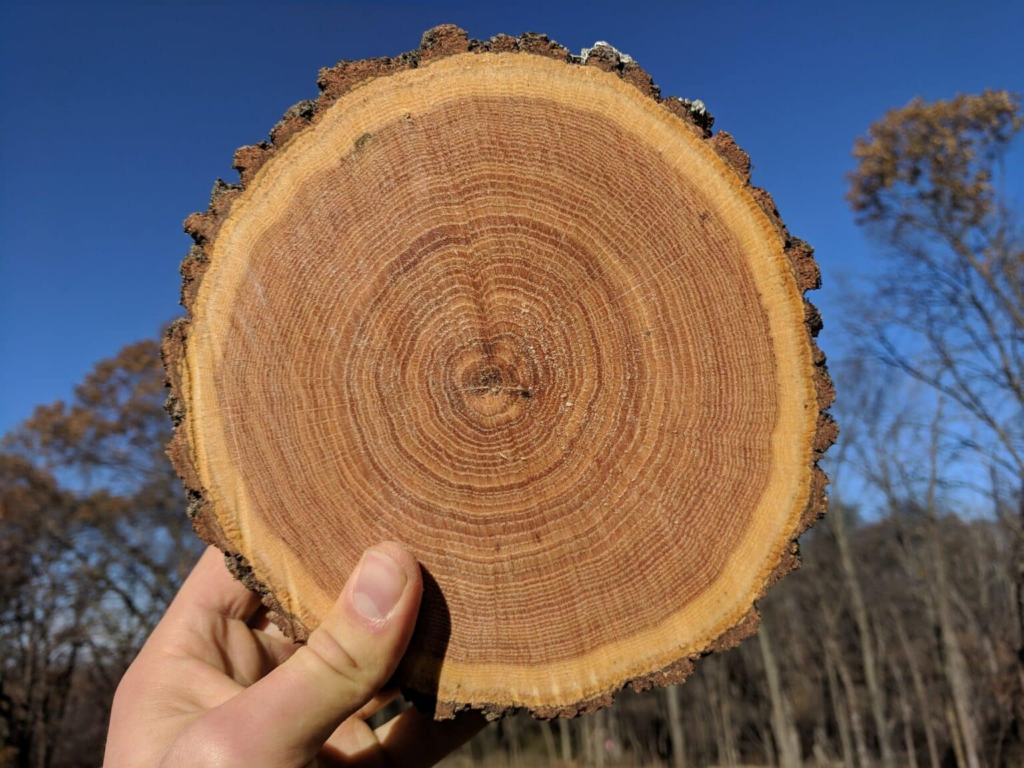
{"x": 217, "y": 685}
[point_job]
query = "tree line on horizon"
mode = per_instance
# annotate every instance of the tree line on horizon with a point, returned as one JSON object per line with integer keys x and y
{"x": 899, "y": 642}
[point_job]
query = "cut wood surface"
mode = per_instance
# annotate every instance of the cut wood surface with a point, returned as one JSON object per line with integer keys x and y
{"x": 515, "y": 310}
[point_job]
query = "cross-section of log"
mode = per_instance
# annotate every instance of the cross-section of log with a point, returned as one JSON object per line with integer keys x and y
{"x": 513, "y": 309}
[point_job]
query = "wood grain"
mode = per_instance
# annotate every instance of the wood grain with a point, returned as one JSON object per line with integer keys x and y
{"x": 519, "y": 313}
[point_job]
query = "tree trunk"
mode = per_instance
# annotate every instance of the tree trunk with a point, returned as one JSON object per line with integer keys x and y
{"x": 565, "y": 741}
{"x": 955, "y": 736}
{"x": 513, "y": 737}
{"x": 1017, "y": 727}
{"x": 924, "y": 706}
{"x": 724, "y": 735}
{"x": 447, "y": 303}
{"x": 906, "y": 713}
{"x": 675, "y": 726}
{"x": 864, "y": 634}
{"x": 953, "y": 660}
{"x": 952, "y": 655}
{"x": 841, "y": 715}
{"x": 787, "y": 742}
{"x": 550, "y": 751}
{"x": 599, "y": 733}
{"x": 856, "y": 725}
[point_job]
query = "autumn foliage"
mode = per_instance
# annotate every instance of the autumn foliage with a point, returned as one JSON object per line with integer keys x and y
{"x": 93, "y": 545}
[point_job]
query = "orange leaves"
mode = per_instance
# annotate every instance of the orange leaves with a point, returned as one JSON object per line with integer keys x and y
{"x": 933, "y": 164}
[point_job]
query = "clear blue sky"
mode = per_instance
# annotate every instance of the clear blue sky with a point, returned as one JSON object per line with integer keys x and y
{"x": 115, "y": 120}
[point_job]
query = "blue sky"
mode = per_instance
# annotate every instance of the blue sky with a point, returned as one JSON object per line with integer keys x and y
{"x": 116, "y": 119}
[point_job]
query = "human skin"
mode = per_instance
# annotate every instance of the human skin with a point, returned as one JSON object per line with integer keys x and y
{"x": 217, "y": 685}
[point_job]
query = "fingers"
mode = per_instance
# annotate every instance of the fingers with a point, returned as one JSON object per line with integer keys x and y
{"x": 416, "y": 740}
{"x": 283, "y": 719}
{"x": 410, "y": 740}
{"x": 211, "y": 590}
{"x": 376, "y": 704}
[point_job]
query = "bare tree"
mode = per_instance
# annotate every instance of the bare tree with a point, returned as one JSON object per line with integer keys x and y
{"x": 929, "y": 187}
{"x": 950, "y": 312}
{"x": 93, "y": 545}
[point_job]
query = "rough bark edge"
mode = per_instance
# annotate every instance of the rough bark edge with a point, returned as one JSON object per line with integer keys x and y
{"x": 334, "y": 82}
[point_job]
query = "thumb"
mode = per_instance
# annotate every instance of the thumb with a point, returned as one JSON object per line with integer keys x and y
{"x": 285, "y": 718}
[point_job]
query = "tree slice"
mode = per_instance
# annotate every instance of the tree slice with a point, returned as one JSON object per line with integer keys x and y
{"x": 512, "y": 309}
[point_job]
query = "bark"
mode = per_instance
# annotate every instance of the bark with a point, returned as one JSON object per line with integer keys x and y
{"x": 448, "y": 62}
